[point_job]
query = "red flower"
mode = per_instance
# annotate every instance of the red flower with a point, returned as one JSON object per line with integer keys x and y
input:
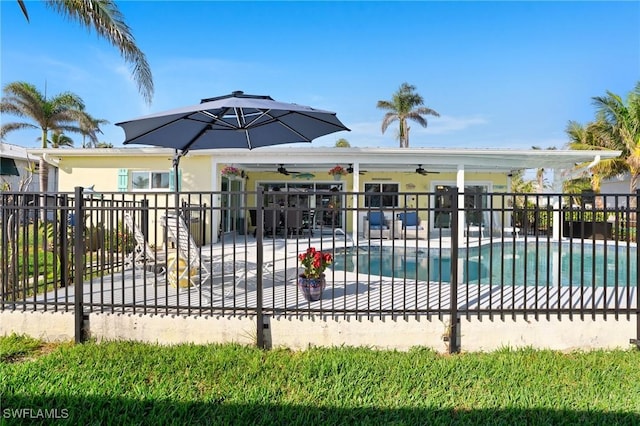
{"x": 314, "y": 262}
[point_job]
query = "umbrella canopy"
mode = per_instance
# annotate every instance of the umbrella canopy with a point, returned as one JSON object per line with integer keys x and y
{"x": 232, "y": 121}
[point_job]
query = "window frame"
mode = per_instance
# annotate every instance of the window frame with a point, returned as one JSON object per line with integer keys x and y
{"x": 150, "y": 174}
{"x": 394, "y": 198}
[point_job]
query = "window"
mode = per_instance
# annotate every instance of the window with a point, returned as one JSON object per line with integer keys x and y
{"x": 383, "y": 200}
{"x": 149, "y": 180}
{"x": 8, "y": 167}
{"x": 475, "y": 205}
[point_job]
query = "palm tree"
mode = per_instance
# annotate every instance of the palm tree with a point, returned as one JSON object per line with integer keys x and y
{"x": 90, "y": 127}
{"x": 405, "y": 105}
{"x": 59, "y": 140}
{"x": 60, "y": 113}
{"x": 541, "y": 182}
{"x": 621, "y": 128}
{"x": 108, "y": 22}
{"x": 617, "y": 127}
{"x": 593, "y": 136}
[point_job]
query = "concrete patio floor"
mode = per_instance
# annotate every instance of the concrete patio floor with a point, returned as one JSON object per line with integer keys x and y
{"x": 233, "y": 289}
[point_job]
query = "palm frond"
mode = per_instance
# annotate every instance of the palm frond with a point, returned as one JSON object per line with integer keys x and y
{"x": 105, "y": 18}
{"x": 389, "y": 118}
{"x": 10, "y": 127}
{"x": 24, "y": 9}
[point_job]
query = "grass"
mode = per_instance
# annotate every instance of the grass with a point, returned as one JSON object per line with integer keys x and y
{"x": 133, "y": 383}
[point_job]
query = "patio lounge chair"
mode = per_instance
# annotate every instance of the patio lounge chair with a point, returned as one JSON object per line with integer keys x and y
{"x": 187, "y": 267}
{"x": 412, "y": 226}
{"x": 142, "y": 256}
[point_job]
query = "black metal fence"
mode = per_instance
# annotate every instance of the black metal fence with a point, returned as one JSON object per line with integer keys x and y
{"x": 444, "y": 254}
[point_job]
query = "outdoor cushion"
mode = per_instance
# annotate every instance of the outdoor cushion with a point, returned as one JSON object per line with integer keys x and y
{"x": 376, "y": 219}
{"x": 409, "y": 219}
{"x": 414, "y": 227}
{"x": 378, "y": 227}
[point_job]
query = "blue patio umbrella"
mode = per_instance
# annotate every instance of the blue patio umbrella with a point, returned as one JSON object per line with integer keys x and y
{"x": 237, "y": 120}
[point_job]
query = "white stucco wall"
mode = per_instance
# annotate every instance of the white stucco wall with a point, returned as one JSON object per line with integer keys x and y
{"x": 47, "y": 326}
{"x": 476, "y": 335}
{"x": 557, "y": 334}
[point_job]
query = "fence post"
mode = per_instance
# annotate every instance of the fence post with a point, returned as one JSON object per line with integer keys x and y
{"x": 453, "y": 285}
{"x": 144, "y": 218}
{"x": 78, "y": 248}
{"x": 63, "y": 248}
{"x": 260, "y": 325}
{"x": 636, "y": 341}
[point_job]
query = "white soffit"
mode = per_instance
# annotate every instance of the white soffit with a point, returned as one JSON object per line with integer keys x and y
{"x": 437, "y": 159}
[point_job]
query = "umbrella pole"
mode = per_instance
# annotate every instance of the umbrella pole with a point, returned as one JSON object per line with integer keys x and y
{"x": 176, "y": 181}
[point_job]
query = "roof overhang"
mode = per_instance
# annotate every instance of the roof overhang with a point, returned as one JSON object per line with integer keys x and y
{"x": 309, "y": 158}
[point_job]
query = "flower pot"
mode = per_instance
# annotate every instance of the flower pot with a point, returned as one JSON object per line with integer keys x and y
{"x": 337, "y": 177}
{"x": 311, "y": 288}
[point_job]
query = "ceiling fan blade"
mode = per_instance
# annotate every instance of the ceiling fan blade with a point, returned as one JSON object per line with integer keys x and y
{"x": 350, "y": 170}
{"x": 282, "y": 170}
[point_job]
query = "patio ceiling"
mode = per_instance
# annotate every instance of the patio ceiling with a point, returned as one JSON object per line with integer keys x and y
{"x": 370, "y": 159}
{"x": 439, "y": 160}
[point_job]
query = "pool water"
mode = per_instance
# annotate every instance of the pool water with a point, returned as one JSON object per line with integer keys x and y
{"x": 497, "y": 264}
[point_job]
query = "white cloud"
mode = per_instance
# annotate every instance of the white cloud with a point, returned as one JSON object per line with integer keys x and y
{"x": 446, "y": 124}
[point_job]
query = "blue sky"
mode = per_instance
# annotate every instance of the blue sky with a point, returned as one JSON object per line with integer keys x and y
{"x": 501, "y": 74}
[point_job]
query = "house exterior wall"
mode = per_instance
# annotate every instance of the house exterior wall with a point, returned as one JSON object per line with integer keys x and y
{"x": 103, "y": 171}
{"x": 24, "y": 163}
{"x": 197, "y": 174}
{"x": 200, "y": 171}
{"x": 407, "y": 183}
{"x": 619, "y": 185}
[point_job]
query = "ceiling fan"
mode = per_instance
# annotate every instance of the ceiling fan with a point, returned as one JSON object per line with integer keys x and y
{"x": 284, "y": 171}
{"x": 424, "y": 172}
{"x": 350, "y": 170}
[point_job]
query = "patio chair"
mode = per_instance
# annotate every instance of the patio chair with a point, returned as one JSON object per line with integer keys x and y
{"x": 294, "y": 222}
{"x": 442, "y": 220}
{"x": 142, "y": 256}
{"x": 412, "y": 227}
{"x": 377, "y": 226}
{"x": 271, "y": 222}
{"x": 187, "y": 267}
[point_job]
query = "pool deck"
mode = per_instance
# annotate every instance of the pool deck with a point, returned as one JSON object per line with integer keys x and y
{"x": 235, "y": 288}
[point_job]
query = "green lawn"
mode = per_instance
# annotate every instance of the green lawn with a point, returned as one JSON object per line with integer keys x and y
{"x": 131, "y": 383}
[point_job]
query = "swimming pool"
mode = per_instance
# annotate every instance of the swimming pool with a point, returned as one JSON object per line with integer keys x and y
{"x": 532, "y": 264}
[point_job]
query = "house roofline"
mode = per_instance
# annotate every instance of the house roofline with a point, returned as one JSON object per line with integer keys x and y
{"x": 439, "y": 159}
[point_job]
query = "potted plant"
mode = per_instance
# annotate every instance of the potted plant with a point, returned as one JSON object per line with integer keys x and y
{"x": 230, "y": 171}
{"x": 337, "y": 172}
{"x": 312, "y": 281}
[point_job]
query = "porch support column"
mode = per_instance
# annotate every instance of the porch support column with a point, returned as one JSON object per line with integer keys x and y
{"x": 508, "y": 213}
{"x": 556, "y": 187}
{"x": 354, "y": 201}
{"x": 215, "y": 200}
{"x": 461, "y": 213}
